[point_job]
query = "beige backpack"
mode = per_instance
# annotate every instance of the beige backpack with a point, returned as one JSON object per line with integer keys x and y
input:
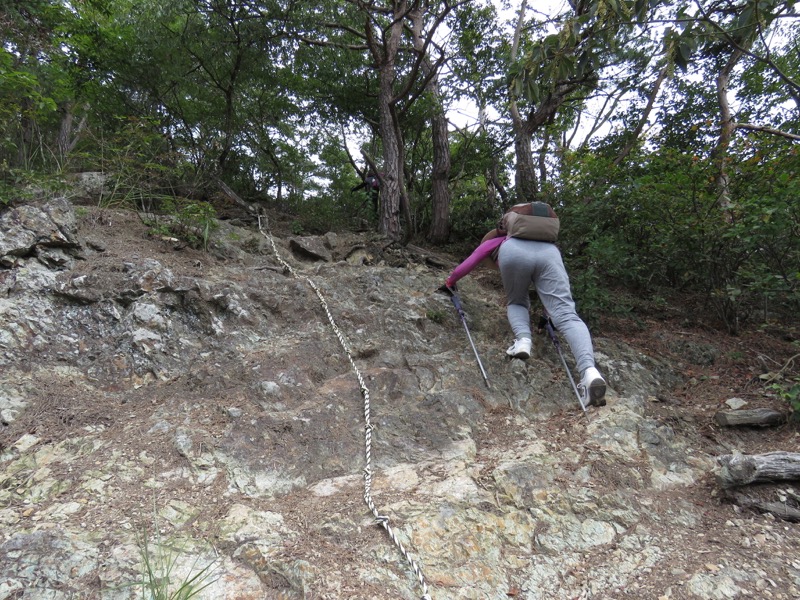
{"x": 531, "y": 221}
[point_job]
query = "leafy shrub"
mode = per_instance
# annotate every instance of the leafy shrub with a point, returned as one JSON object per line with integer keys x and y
{"x": 317, "y": 215}
{"x": 23, "y": 104}
{"x": 24, "y": 185}
{"x": 140, "y": 166}
{"x": 186, "y": 219}
{"x": 792, "y": 396}
{"x": 656, "y": 224}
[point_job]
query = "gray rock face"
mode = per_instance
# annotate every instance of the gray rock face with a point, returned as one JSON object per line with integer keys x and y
{"x": 312, "y": 248}
{"x": 48, "y": 230}
{"x": 200, "y": 410}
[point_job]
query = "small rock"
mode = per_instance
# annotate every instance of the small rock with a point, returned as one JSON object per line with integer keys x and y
{"x": 310, "y": 248}
{"x": 183, "y": 442}
{"x": 736, "y": 403}
{"x": 270, "y": 388}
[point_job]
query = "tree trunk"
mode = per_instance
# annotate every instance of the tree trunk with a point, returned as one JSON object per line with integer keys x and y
{"x": 440, "y": 179}
{"x": 391, "y": 179}
{"x": 26, "y": 135}
{"x": 543, "y": 158}
{"x": 525, "y": 174}
{"x": 440, "y": 172}
{"x": 544, "y": 112}
{"x": 727, "y": 127}
{"x": 65, "y": 129}
{"x": 68, "y": 133}
{"x": 495, "y": 187}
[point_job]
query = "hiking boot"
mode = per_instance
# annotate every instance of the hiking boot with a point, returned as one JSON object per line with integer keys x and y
{"x": 520, "y": 349}
{"x": 593, "y": 388}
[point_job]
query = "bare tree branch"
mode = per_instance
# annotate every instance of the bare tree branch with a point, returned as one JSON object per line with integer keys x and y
{"x": 751, "y": 127}
{"x": 328, "y": 44}
{"x": 645, "y": 116}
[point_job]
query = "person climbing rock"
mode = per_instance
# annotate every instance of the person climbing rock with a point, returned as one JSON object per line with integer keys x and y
{"x": 523, "y": 262}
{"x": 372, "y": 184}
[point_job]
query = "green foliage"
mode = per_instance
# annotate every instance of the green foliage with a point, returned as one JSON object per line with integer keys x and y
{"x": 317, "y": 215}
{"x": 23, "y": 104}
{"x": 46, "y": 83}
{"x": 479, "y": 47}
{"x": 436, "y": 315}
{"x": 19, "y": 90}
{"x": 683, "y": 119}
{"x": 138, "y": 162}
{"x": 192, "y": 221}
{"x": 738, "y": 25}
{"x": 476, "y": 206}
{"x": 197, "y": 220}
{"x": 332, "y": 205}
{"x": 790, "y": 393}
{"x": 296, "y": 227}
{"x": 656, "y": 224}
{"x": 472, "y": 215}
{"x": 160, "y": 578}
{"x": 22, "y": 185}
{"x": 594, "y": 298}
{"x": 572, "y": 56}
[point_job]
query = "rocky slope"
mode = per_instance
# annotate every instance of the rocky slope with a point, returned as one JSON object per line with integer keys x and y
{"x": 196, "y": 413}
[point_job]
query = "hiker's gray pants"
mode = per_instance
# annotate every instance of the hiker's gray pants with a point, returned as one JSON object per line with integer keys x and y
{"x": 523, "y": 262}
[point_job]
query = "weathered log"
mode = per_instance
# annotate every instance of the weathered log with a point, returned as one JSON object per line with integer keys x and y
{"x": 781, "y": 510}
{"x": 764, "y": 417}
{"x": 429, "y": 257}
{"x": 743, "y": 469}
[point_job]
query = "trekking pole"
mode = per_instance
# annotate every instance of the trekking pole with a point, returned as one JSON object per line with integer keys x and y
{"x": 457, "y": 303}
{"x": 552, "y": 333}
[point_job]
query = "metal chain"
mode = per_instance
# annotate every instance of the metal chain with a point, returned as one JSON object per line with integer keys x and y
{"x": 382, "y": 520}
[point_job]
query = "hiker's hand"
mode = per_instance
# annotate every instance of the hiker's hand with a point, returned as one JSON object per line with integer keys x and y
{"x": 543, "y": 322}
{"x": 447, "y": 289}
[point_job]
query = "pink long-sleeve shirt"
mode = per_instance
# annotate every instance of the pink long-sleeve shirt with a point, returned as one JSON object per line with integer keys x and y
{"x": 481, "y": 252}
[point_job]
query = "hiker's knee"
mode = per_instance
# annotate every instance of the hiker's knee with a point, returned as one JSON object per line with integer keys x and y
{"x": 565, "y": 318}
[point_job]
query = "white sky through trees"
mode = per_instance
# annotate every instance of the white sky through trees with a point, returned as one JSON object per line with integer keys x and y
{"x": 464, "y": 113}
